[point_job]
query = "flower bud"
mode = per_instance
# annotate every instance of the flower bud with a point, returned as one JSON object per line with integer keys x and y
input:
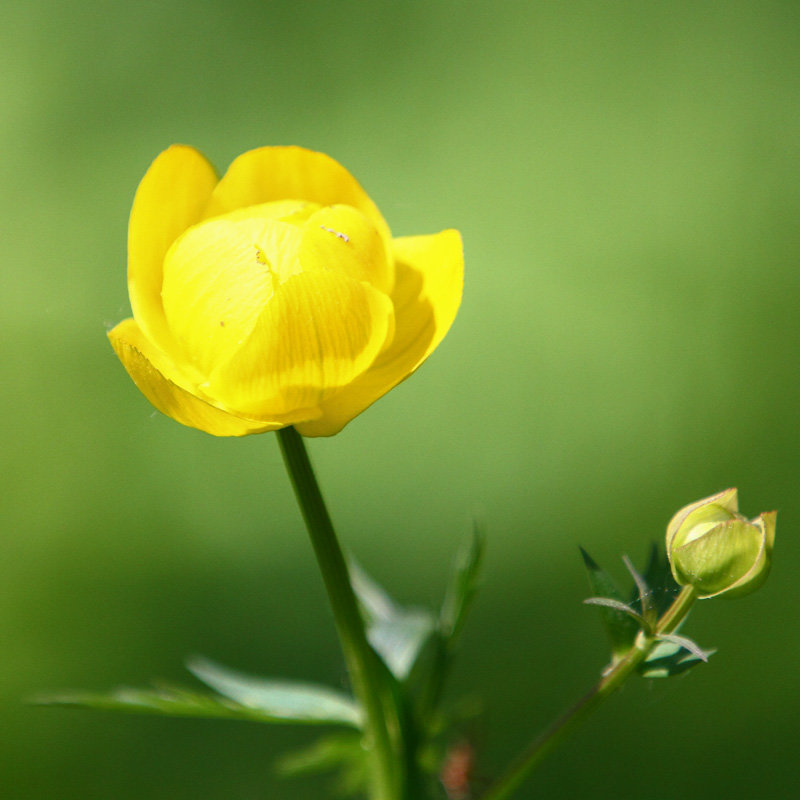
{"x": 716, "y": 550}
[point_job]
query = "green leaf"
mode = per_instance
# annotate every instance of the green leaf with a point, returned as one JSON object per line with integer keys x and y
{"x": 619, "y": 625}
{"x": 166, "y": 702}
{"x": 434, "y": 663}
{"x": 618, "y": 605}
{"x": 669, "y": 658}
{"x": 658, "y": 577}
{"x": 400, "y": 639}
{"x": 685, "y": 643}
{"x": 645, "y": 595}
{"x": 344, "y": 752}
{"x": 397, "y": 634}
{"x": 375, "y": 602}
{"x": 280, "y": 700}
{"x": 464, "y": 584}
{"x": 323, "y": 755}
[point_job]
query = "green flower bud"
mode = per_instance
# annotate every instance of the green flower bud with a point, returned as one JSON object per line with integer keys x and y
{"x": 716, "y": 550}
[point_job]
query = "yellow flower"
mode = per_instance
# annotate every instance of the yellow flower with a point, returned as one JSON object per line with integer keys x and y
{"x": 275, "y": 296}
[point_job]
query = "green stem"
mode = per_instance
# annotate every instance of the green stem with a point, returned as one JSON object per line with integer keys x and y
{"x": 366, "y": 672}
{"x": 550, "y": 738}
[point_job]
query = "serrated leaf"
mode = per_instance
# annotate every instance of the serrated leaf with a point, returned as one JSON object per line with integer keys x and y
{"x": 619, "y": 625}
{"x": 165, "y": 702}
{"x": 463, "y": 585}
{"x": 668, "y": 659}
{"x": 397, "y": 634}
{"x": 286, "y": 701}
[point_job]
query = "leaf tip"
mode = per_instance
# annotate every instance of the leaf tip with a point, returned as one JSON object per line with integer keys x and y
{"x": 588, "y": 561}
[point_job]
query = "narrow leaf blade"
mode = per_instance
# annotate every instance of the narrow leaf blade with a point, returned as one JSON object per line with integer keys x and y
{"x": 658, "y": 577}
{"x": 619, "y": 625}
{"x": 400, "y": 640}
{"x": 464, "y": 584}
{"x": 323, "y": 755}
{"x": 608, "y": 602}
{"x": 397, "y": 634}
{"x": 686, "y": 644}
{"x": 159, "y": 702}
{"x": 645, "y": 597}
{"x": 375, "y": 601}
{"x": 344, "y": 753}
{"x": 669, "y": 659}
{"x": 290, "y": 701}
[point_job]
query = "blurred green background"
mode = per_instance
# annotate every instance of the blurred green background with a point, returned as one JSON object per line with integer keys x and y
{"x": 626, "y": 176}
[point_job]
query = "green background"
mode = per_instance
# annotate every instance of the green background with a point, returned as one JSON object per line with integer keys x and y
{"x": 626, "y": 176}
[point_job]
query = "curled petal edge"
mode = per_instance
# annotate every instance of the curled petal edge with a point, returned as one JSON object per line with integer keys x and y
{"x": 139, "y": 358}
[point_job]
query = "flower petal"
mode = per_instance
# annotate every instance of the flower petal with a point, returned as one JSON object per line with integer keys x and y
{"x": 219, "y": 277}
{"x": 318, "y": 332}
{"x": 343, "y": 239}
{"x": 427, "y": 294}
{"x": 294, "y": 173}
{"x": 170, "y": 198}
{"x": 148, "y": 368}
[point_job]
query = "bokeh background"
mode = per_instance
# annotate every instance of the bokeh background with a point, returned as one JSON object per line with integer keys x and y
{"x": 626, "y": 176}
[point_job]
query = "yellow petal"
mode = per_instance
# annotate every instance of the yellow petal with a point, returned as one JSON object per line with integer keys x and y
{"x": 295, "y": 212}
{"x": 218, "y": 278}
{"x": 319, "y": 331}
{"x": 170, "y": 198}
{"x": 293, "y": 173}
{"x": 341, "y": 238}
{"x": 149, "y": 368}
{"x": 427, "y": 294}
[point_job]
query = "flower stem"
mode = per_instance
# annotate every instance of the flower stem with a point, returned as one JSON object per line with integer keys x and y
{"x": 547, "y": 741}
{"x": 366, "y": 672}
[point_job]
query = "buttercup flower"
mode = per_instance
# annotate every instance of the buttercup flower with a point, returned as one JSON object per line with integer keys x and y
{"x": 713, "y": 548}
{"x": 275, "y": 296}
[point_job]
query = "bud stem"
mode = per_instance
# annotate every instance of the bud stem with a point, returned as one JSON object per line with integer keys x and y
{"x": 542, "y": 745}
{"x": 677, "y": 612}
